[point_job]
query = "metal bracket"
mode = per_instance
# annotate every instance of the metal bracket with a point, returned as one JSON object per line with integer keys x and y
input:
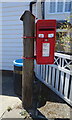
{"x": 28, "y": 37}
{"x": 29, "y": 57}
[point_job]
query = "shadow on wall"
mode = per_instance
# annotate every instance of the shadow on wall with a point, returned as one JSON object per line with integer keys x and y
{"x": 44, "y": 93}
{"x": 7, "y": 84}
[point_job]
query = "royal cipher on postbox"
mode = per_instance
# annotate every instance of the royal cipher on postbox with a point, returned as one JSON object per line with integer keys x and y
{"x": 45, "y": 41}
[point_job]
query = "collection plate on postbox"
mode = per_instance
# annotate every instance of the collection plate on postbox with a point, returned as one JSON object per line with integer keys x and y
{"x": 45, "y": 41}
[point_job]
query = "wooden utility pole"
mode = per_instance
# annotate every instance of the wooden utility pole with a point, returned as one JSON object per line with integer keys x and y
{"x": 28, "y": 64}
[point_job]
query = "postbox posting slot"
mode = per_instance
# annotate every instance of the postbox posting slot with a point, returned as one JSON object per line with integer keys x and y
{"x": 46, "y": 29}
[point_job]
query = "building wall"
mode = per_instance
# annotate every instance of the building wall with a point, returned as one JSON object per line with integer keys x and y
{"x": 56, "y": 15}
{"x": 34, "y": 9}
{"x": 60, "y": 16}
{"x": 71, "y": 13}
{"x": 12, "y": 31}
{"x": 0, "y": 36}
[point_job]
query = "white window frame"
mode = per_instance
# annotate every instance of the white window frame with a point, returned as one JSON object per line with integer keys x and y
{"x": 59, "y": 6}
{"x": 56, "y": 8}
{"x": 49, "y": 9}
{"x": 65, "y": 3}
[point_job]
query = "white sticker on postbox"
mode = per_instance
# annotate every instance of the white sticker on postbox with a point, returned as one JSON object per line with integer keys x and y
{"x": 41, "y": 35}
{"x": 50, "y": 35}
{"x": 46, "y": 49}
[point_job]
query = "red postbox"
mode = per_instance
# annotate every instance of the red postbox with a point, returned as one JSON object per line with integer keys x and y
{"x": 45, "y": 41}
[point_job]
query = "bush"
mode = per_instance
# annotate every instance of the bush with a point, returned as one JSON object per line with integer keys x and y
{"x": 64, "y": 39}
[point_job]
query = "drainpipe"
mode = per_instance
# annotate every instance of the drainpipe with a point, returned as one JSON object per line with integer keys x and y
{"x": 31, "y": 3}
{"x": 43, "y": 9}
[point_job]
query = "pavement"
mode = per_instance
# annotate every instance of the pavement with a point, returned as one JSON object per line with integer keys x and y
{"x": 53, "y": 108}
{"x": 8, "y": 99}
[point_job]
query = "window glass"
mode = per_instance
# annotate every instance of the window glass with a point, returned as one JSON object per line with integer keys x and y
{"x": 60, "y": 7}
{"x": 52, "y": 7}
{"x": 67, "y": 6}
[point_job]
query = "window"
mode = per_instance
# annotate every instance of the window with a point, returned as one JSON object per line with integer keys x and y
{"x": 60, "y": 7}
{"x": 67, "y": 6}
{"x": 52, "y": 7}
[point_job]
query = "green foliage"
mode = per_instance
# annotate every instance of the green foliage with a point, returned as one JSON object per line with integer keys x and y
{"x": 64, "y": 39}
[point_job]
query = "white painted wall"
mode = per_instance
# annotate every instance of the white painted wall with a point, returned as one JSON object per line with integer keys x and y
{"x": 34, "y": 9}
{"x": 59, "y": 16}
{"x": 12, "y": 31}
{"x": 56, "y": 15}
{"x": 38, "y": 9}
{"x": 1, "y": 36}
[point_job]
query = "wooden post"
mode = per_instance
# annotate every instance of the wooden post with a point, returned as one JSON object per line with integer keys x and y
{"x": 28, "y": 65}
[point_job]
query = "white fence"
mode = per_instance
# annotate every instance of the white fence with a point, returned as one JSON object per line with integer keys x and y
{"x": 58, "y": 76}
